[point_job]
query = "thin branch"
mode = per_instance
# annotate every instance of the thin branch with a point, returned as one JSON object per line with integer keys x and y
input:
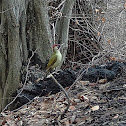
{"x": 6, "y": 10}
{"x": 64, "y": 93}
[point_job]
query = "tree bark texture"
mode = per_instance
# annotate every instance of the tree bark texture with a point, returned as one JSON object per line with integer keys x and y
{"x": 24, "y": 27}
{"x": 38, "y": 30}
{"x": 62, "y": 27}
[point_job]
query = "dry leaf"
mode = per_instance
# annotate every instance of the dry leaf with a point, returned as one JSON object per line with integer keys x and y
{"x": 98, "y": 33}
{"x": 102, "y": 81}
{"x": 93, "y": 98}
{"x": 67, "y": 123}
{"x": 109, "y": 41}
{"x": 96, "y": 10}
{"x": 92, "y": 84}
{"x": 83, "y": 98}
{"x": 76, "y": 100}
{"x": 104, "y": 86}
{"x": 103, "y": 20}
{"x": 76, "y": 21}
{"x": 115, "y": 117}
{"x": 95, "y": 108}
{"x": 72, "y": 108}
{"x": 112, "y": 58}
{"x": 98, "y": 19}
{"x": 84, "y": 82}
{"x": 124, "y": 5}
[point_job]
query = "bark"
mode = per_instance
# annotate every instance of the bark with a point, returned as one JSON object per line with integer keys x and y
{"x": 21, "y": 32}
{"x": 23, "y": 37}
{"x": 40, "y": 35}
{"x": 10, "y": 54}
{"x": 62, "y": 27}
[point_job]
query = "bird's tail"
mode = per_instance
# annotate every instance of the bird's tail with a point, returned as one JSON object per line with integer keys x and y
{"x": 48, "y": 71}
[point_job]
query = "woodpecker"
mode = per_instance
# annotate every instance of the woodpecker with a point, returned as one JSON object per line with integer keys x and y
{"x": 55, "y": 59}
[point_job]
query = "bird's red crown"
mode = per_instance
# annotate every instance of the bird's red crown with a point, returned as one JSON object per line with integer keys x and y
{"x": 55, "y": 45}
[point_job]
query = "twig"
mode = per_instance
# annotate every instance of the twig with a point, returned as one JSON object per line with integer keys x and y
{"x": 1, "y": 12}
{"x": 116, "y": 89}
{"x": 24, "y": 82}
{"x": 78, "y": 78}
{"x": 65, "y": 95}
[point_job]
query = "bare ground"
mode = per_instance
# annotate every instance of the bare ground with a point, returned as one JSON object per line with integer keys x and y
{"x": 92, "y": 104}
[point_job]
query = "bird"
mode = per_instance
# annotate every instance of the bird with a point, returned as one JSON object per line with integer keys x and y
{"x": 55, "y": 59}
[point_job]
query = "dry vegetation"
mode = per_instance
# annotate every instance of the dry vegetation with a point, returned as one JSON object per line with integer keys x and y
{"x": 84, "y": 35}
{"x": 90, "y": 39}
{"x": 91, "y": 103}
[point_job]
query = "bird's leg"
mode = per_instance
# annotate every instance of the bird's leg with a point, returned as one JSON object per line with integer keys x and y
{"x": 56, "y": 71}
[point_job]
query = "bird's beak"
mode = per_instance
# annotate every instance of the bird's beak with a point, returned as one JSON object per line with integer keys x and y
{"x": 61, "y": 45}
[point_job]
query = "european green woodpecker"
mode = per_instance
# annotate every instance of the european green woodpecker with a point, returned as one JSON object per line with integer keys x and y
{"x": 55, "y": 59}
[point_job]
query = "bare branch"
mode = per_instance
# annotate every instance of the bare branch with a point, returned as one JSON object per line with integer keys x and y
{"x": 61, "y": 116}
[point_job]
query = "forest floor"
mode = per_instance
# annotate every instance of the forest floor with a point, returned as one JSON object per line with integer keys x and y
{"x": 92, "y": 104}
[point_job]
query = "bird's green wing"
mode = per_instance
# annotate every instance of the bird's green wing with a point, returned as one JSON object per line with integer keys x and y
{"x": 51, "y": 61}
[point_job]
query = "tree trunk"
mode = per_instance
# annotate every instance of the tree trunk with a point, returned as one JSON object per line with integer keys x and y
{"x": 10, "y": 55}
{"x": 38, "y": 29}
{"x": 24, "y": 26}
{"x": 62, "y": 27}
